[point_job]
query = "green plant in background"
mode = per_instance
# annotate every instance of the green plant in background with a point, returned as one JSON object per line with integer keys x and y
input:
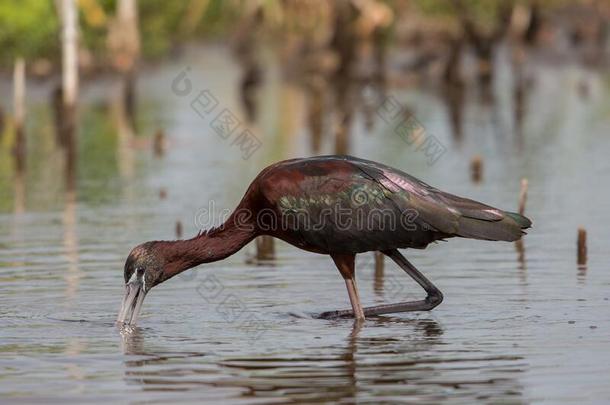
{"x": 31, "y": 28}
{"x": 162, "y": 24}
{"x": 484, "y": 12}
{"x": 28, "y": 28}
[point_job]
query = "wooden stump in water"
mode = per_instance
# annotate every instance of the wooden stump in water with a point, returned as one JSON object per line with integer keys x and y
{"x": 379, "y": 264}
{"x": 69, "y": 83}
{"x": 452, "y": 74}
{"x": 124, "y": 47}
{"x": 19, "y": 149}
{"x": 342, "y": 135}
{"x": 265, "y": 248}
{"x": 476, "y": 169}
{"x": 523, "y": 196}
{"x": 315, "y": 111}
{"x": 159, "y": 143}
{"x": 582, "y": 247}
{"x": 57, "y": 106}
{"x": 178, "y": 230}
{"x": 129, "y": 96}
{"x": 250, "y": 83}
{"x": 379, "y": 270}
{"x": 522, "y": 200}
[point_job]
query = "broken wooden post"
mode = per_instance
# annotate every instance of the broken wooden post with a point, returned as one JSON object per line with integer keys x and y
{"x": 69, "y": 64}
{"x": 159, "y": 143}
{"x": 19, "y": 111}
{"x": 69, "y": 83}
{"x": 523, "y": 196}
{"x": 476, "y": 168}
{"x": 582, "y": 247}
{"x": 378, "y": 264}
{"x": 522, "y": 201}
{"x": 124, "y": 45}
{"x": 265, "y": 248}
{"x": 178, "y": 230}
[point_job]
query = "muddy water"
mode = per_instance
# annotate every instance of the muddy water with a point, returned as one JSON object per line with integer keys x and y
{"x": 515, "y": 326}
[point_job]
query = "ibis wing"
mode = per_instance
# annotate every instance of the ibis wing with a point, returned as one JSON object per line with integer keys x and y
{"x": 346, "y": 204}
{"x": 443, "y": 212}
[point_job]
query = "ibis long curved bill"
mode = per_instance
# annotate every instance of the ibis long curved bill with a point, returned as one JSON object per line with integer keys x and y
{"x": 132, "y": 302}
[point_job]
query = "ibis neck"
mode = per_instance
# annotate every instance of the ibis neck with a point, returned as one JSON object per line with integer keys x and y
{"x": 210, "y": 246}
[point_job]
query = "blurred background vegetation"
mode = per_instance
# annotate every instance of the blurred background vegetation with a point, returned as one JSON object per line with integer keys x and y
{"x": 30, "y": 28}
{"x": 343, "y": 56}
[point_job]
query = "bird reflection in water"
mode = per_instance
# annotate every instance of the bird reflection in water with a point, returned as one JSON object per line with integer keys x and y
{"x": 329, "y": 371}
{"x": 392, "y": 357}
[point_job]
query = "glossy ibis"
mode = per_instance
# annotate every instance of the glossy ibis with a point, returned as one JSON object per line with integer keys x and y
{"x": 334, "y": 205}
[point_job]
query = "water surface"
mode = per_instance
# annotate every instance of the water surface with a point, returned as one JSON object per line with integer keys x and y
{"x": 515, "y": 326}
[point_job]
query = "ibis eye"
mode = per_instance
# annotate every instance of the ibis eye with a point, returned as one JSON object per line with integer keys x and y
{"x": 140, "y": 271}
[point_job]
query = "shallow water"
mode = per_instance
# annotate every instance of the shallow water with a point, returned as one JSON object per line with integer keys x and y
{"x": 513, "y": 328}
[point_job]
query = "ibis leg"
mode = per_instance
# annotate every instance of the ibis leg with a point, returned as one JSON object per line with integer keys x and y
{"x": 345, "y": 265}
{"x": 434, "y": 298}
{"x": 354, "y": 298}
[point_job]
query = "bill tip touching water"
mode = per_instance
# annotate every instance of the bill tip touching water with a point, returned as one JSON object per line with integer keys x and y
{"x": 335, "y": 205}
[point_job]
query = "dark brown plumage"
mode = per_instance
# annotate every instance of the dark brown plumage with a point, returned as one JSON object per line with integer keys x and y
{"x": 336, "y": 205}
{"x": 323, "y": 185}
